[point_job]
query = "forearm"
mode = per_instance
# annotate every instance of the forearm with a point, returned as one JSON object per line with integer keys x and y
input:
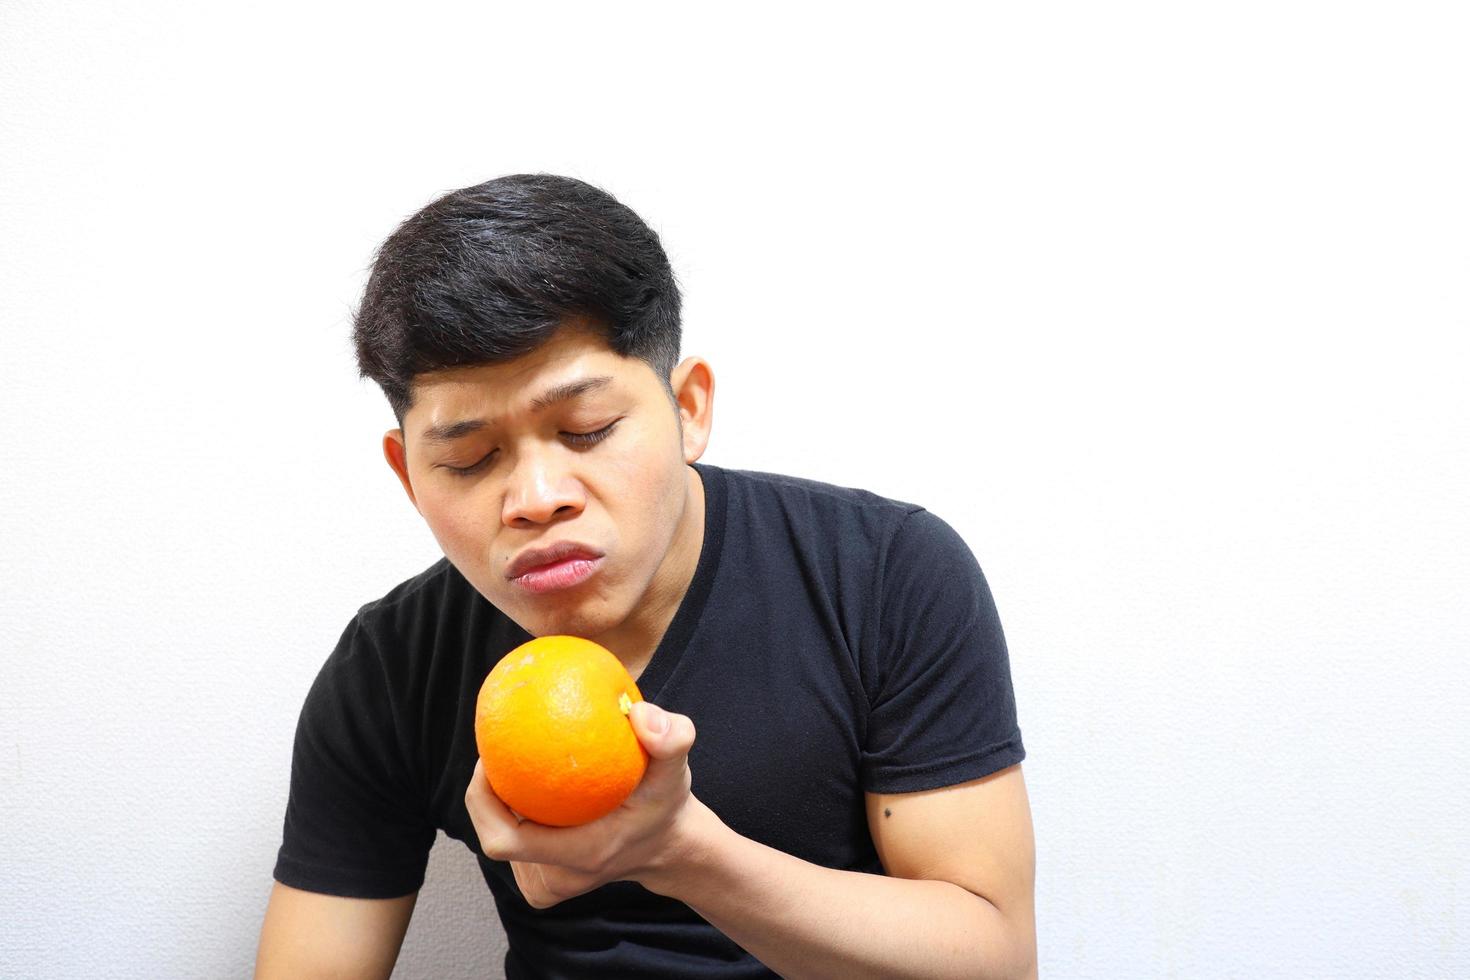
{"x": 806, "y": 921}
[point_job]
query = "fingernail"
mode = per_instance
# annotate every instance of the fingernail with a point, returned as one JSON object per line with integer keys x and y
{"x": 660, "y": 721}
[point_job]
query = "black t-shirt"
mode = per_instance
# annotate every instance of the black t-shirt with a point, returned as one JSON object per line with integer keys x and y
{"x": 831, "y": 642}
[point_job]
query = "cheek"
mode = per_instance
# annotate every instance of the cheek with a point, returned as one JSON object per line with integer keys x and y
{"x": 635, "y": 478}
{"x": 456, "y": 521}
{"x": 642, "y": 495}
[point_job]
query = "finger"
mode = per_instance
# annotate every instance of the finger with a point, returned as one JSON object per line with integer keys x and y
{"x": 498, "y": 827}
{"x": 505, "y": 836}
{"x": 666, "y": 735}
{"x": 668, "y": 776}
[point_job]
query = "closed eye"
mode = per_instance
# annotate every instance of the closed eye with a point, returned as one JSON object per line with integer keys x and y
{"x": 581, "y": 440}
{"x": 584, "y": 439}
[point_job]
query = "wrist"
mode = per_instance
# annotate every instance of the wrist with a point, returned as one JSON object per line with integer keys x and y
{"x": 692, "y": 844}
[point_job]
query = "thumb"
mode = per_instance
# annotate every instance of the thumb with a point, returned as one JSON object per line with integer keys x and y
{"x": 664, "y": 734}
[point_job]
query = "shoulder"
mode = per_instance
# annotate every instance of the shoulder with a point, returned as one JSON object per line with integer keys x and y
{"x": 845, "y": 518}
{"x": 411, "y": 613}
{"x": 393, "y": 640}
{"x": 785, "y": 486}
{"x": 429, "y": 587}
{"x": 827, "y": 525}
{"x": 797, "y": 503}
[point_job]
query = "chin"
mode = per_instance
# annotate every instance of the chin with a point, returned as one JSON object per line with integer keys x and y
{"x": 567, "y": 622}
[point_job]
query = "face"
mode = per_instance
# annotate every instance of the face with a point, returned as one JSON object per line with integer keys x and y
{"x": 558, "y": 483}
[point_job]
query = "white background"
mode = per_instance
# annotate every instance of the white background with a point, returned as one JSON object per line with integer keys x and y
{"x": 1165, "y": 309}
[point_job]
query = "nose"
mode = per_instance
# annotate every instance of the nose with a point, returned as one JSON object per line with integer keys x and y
{"x": 539, "y": 491}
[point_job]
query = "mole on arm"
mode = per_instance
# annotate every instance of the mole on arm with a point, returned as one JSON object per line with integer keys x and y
{"x": 887, "y": 812}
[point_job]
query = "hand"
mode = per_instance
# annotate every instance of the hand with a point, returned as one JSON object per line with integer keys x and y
{"x": 647, "y": 835}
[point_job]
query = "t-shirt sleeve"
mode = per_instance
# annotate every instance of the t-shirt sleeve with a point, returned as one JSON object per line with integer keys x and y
{"x": 355, "y": 824}
{"x": 945, "y": 710}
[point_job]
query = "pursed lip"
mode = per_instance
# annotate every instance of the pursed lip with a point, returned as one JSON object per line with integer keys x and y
{"x": 534, "y": 558}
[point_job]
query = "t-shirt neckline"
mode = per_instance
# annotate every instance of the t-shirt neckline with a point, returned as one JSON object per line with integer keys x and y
{"x": 681, "y": 628}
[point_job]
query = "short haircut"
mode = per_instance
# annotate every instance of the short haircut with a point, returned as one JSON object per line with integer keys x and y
{"x": 488, "y": 273}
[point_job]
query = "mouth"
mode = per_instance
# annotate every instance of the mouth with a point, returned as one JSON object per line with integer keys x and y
{"x": 562, "y": 575}
{"x": 551, "y": 569}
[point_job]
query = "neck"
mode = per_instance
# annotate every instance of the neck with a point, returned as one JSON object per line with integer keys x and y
{"x": 636, "y": 638}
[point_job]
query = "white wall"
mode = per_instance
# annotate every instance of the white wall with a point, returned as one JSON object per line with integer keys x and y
{"x": 1165, "y": 311}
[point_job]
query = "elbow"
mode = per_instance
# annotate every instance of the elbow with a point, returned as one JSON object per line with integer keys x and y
{"x": 1025, "y": 959}
{"x": 1020, "y": 964}
{"x": 1021, "y": 961}
{"x": 1008, "y": 940}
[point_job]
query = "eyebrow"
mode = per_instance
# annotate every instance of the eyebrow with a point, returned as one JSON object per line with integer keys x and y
{"x": 450, "y": 431}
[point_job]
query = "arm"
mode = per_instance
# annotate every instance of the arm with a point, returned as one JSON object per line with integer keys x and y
{"x": 960, "y": 904}
{"x": 957, "y": 899}
{"x": 354, "y": 826}
{"x": 309, "y": 935}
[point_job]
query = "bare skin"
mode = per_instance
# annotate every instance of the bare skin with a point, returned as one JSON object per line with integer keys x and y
{"x": 632, "y": 495}
{"x": 957, "y": 896}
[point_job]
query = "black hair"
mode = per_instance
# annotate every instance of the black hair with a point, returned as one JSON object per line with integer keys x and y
{"x": 488, "y": 273}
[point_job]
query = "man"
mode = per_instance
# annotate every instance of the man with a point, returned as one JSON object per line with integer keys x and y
{"x": 835, "y": 786}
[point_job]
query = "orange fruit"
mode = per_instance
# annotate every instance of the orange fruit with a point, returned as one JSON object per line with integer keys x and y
{"x": 552, "y": 728}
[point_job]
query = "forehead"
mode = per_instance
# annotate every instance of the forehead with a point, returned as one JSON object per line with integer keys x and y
{"x": 563, "y": 367}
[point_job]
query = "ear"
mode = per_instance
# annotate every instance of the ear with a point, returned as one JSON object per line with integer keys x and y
{"x": 694, "y": 390}
{"x": 395, "y": 451}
